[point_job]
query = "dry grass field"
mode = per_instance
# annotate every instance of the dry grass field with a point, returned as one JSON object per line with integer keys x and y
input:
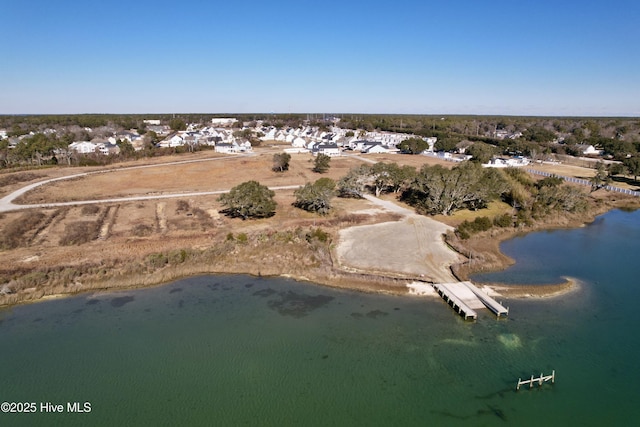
{"x": 74, "y": 248}
{"x": 204, "y": 173}
{"x": 71, "y": 249}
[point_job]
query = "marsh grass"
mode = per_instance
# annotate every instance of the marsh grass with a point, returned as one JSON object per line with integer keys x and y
{"x": 15, "y": 234}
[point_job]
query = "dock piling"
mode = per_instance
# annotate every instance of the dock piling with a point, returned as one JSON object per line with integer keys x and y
{"x": 540, "y": 380}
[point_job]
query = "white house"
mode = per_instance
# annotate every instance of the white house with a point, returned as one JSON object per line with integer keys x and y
{"x": 331, "y": 150}
{"x": 270, "y": 135}
{"x": 83, "y": 147}
{"x": 176, "y": 140}
{"x": 589, "y": 150}
{"x": 223, "y": 121}
{"x": 502, "y": 162}
{"x": 374, "y": 148}
{"x": 298, "y": 142}
{"x": 233, "y": 148}
{"x": 225, "y": 147}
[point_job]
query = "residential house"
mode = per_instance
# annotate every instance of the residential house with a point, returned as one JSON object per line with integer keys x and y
{"x": 374, "y": 148}
{"x": 298, "y": 142}
{"x": 331, "y": 150}
{"x": 225, "y": 147}
{"x": 176, "y": 140}
{"x": 589, "y": 150}
{"x": 83, "y": 147}
{"x": 505, "y": 162}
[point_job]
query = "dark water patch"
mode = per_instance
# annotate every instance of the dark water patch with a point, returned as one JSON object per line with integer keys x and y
{"x": 37, "y": 319}
{"x": 181, "y": 303}
{"x": 174, "y": 290}
{"x": 500, "y": 393}
{"x": 92, "y": 301}
{"x": 264, "y": 293}
{"x": 227, "y": 288}
{"x": 78, "y": 311}
{"x": 493, "y": 410}
{"x": 147, "y": 310}
{"x": 326, "y": 356}
{"x": 356, "y": 315}
{"x": 374, "y": 314}
{"x": 120, "y": 301}
{"x": 396, "y": 308}
{"x": 298, "y": 305}
{"x": 248, "y": 285}
{"x": 214, "y": 287}
{"x": 451, "y": 415}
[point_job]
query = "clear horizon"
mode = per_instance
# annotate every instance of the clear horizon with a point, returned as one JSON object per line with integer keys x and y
{"x": 460, "y": 58}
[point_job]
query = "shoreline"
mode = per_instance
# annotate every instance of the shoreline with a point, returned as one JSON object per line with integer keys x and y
{"x": 484, "y": 250}
{"x": 367, "y": 282}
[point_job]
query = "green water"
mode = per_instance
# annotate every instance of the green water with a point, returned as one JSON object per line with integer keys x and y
{"x": 239, "y": 350}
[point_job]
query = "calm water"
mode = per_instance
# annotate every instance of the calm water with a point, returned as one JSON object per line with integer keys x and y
{"x": 238, "y": 350}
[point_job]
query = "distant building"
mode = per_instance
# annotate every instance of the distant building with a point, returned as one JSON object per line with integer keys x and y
{"x": 223, "y": 121}
{"x": 153, "y": 122}
{"x": 501, "y": 162}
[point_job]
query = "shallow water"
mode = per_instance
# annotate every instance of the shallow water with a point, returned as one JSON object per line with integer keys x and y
{"x": 231, "y": 350}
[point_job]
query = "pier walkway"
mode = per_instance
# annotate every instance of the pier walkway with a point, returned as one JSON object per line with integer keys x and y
{"x": 465, "y": 298}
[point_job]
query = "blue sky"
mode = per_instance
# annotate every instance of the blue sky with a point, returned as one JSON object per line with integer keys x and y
{"x": 516, "y": 57}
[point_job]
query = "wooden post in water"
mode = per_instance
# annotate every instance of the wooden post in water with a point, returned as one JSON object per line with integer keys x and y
{"x": 540, "y": 380}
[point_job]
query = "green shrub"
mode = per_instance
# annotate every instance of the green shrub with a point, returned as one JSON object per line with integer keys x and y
{"x": 466, "y": 228}
{"x": 317, "y": 234}
{"x": 503, "y": 221}
{"x": 158, "y": 260}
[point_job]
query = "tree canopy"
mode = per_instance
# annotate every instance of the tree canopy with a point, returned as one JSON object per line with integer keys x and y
{"x": 249, "y": 200}
{"x": 413, "y": 145}
{"x": 281, "y": 162}
{"x": 177, "y": 124}
{"x": 481, "y": 152}
{"x": 438, "y": 190}
{"x": 316, "y": 197}
{"x": 322, "y": 163}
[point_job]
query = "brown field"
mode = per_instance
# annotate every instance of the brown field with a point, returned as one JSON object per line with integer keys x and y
{"x": 207, "y": 173}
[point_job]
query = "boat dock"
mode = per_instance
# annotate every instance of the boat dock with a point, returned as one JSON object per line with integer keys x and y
{"x": 541, "y": 379}
{"x": 465, "y": 298}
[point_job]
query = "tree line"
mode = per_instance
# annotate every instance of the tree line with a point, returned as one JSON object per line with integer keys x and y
{"x": 431, "y": 190}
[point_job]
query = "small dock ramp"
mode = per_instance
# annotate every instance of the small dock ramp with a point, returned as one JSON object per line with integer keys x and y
{"x": 493, "y": 305}
{"x": 460, "y": 298}
{"x": 465, "y": 298}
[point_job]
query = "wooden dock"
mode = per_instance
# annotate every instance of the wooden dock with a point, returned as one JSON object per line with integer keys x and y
{"x": 465, "y": 298}
{"x": 460, "y": 298}
{"x": 488, "y": 301}
{"x": 541, "y": 379}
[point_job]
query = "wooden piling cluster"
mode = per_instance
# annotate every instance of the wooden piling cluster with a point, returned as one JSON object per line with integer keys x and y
{"x": 541, "y": 379}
